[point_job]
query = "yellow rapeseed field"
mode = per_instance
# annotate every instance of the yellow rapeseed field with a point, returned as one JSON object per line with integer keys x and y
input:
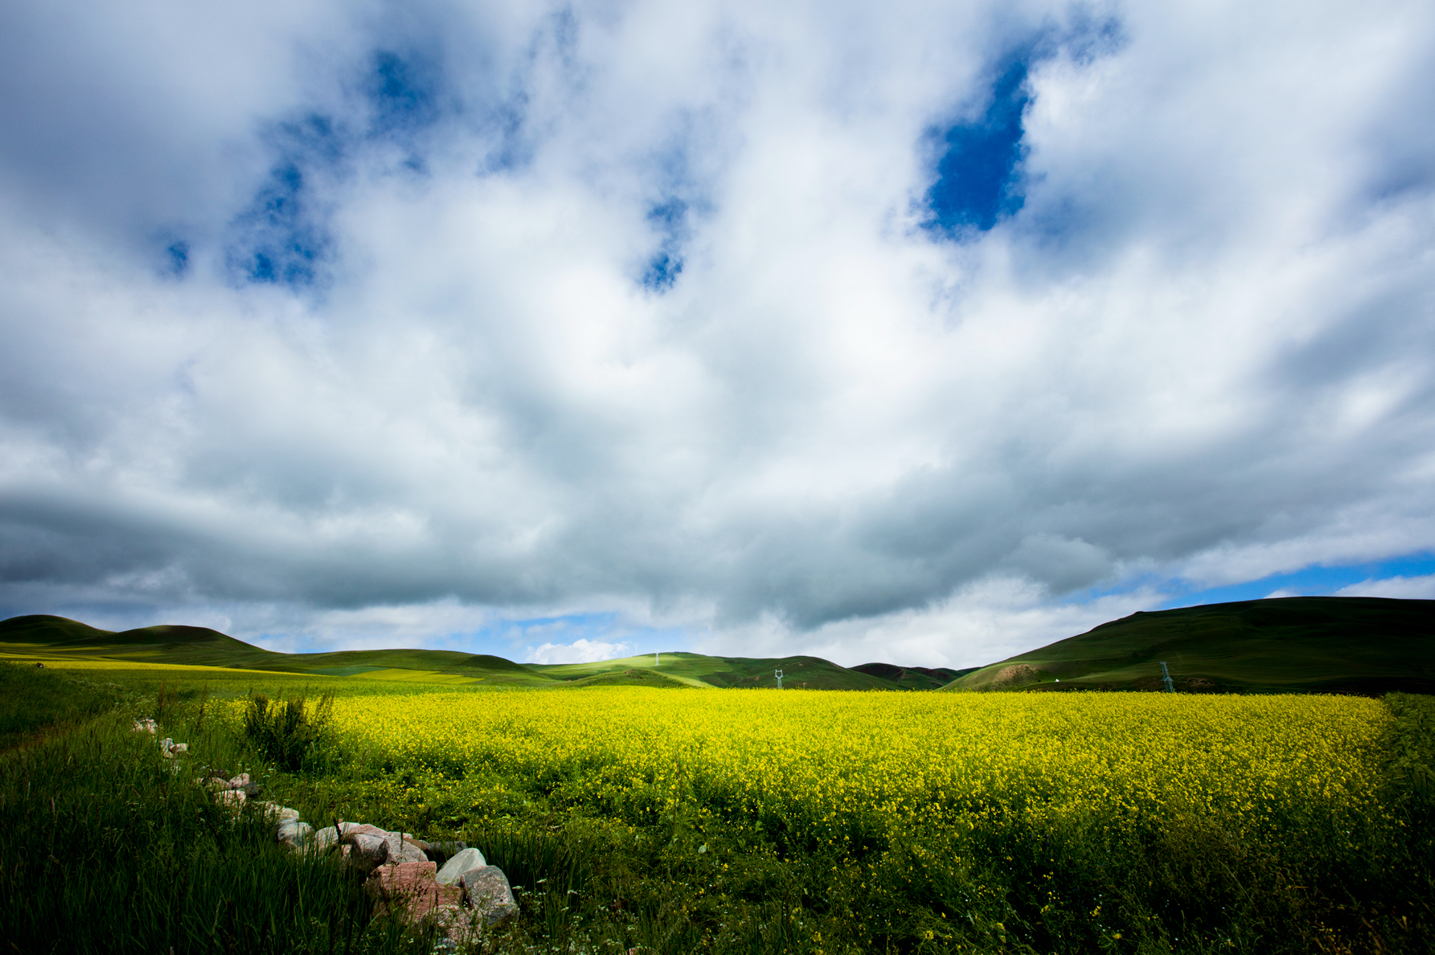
{"x": 832, "y": 765}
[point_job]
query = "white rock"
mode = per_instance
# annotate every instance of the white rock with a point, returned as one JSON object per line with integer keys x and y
{"x": 465, "y": 861}
{"x": 295, "y": 834}
{"x": 277, "y": 814}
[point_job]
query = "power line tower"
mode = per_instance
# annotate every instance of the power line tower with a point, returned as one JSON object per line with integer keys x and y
{"x": 778, "y": 674}
{"x": 1166, "y": 678}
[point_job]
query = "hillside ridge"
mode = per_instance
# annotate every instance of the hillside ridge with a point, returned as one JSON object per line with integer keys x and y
{"x": 1365, "y": 645}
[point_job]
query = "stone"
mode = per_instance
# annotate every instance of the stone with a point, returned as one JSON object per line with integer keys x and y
{"x": 367, "y": 850}
{"x": 327, "y": 836}
{"x": 278, "y": 814}
{"x": 295, "y": 834}
{"x": 489, "y": 895}
{"x": 230, "y": 797}
{"x": 397, "y": 847}
{"x": 409, "y": 887}
{"x": 146, "y": 725}
{"x": 458, "y": 926}
{"x": 240, "y": 781}
{"x": 441, "y": 852}
{"x": 402, "y": 848}
{"x": 464, "y": 861}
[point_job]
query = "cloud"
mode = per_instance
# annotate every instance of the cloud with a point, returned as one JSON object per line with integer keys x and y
{"x": 1404, "y": 588}
{"x": 579, "y": 651}
{"x": 429, "y": 323}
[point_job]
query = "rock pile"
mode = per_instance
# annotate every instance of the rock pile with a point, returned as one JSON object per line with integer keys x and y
{"x": 464, "y": 897}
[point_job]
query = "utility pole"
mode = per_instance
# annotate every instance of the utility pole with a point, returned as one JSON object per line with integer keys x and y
{"x": 779, "y": 677}
{"x": 1166, "y": 678}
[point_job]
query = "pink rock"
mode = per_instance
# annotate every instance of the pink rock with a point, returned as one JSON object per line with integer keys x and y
{"x": 409, "y": 887}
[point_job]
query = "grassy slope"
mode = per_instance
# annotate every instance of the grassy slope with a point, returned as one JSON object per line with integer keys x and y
{"x": 913, "y": 678}
{"x": 59, "y": 638}
{"x": 811, "y": 673}
{"x": 1322, "y": 644}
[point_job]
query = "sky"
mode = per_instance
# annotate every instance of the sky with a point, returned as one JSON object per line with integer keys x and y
{"x": 920, "y": 332}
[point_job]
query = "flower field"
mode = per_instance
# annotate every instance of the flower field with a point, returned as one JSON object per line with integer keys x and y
{"x": 855, "y": 822}
{"x": 643, "y": 820}
{"x": 830, "y": 765}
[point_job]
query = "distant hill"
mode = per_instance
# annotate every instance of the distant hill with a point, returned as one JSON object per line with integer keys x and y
{"x": 913, "y": 678}
{"x": 59, "y": 638}
{"x": 1366, "y": 645}
{"x": 696, "y": 669}
{"x": 1296, "y": 644}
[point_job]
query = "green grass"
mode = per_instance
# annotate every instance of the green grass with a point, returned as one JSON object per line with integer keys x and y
{"x": 104, "y": 848}
{"x": 1361, "y": 645}
{"x": 34, "y": 699}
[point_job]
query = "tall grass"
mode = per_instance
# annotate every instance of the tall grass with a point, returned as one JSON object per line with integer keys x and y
{"x": 33, "y": 698}
{"x": 107, "y": 847}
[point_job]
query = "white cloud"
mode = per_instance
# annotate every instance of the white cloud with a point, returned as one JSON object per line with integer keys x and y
{"x": 1405, "y": 588}
{"x": 579, "y": 651}
{"x": 1199, "y": 352}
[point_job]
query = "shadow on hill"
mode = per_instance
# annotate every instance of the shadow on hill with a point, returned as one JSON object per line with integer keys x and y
{"x": 1364, "y": 645}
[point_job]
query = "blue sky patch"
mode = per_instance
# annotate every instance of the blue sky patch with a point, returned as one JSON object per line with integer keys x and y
{"x": 285, "y": 246}
{"x": 402, "y": 93}
{"x": 1315, "y": 581}
{"x": 670, "y": 220}
{"x": 176, "y": 259}
{"x": 282, "y": 238}
{"x": 978, "y": 179}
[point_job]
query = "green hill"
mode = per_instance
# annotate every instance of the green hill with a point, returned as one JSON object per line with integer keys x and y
{"x": 913, "y": 678}
{"x": 60, "y": 638}
{"x": 1295, "y": 644}
{"x": 798, "y": 672}
{"x": 1367, "y": 645}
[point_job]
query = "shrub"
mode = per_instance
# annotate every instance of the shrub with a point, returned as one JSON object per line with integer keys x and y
{"x": 285, "y": 733}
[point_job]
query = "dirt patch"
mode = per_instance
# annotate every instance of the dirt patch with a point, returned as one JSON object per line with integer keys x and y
{"x": 1018, "y": 674}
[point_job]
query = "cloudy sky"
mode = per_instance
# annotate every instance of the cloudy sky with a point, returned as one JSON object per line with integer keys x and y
{"x": 927, "y": 331}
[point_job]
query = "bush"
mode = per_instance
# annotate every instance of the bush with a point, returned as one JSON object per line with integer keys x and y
{"x": 285, "y": 733}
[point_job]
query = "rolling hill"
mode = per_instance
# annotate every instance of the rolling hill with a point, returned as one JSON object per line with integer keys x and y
{"x": 1366, "y": 645}
{"x": 1363, "y": 645}
{"x": 58, "y": 638}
